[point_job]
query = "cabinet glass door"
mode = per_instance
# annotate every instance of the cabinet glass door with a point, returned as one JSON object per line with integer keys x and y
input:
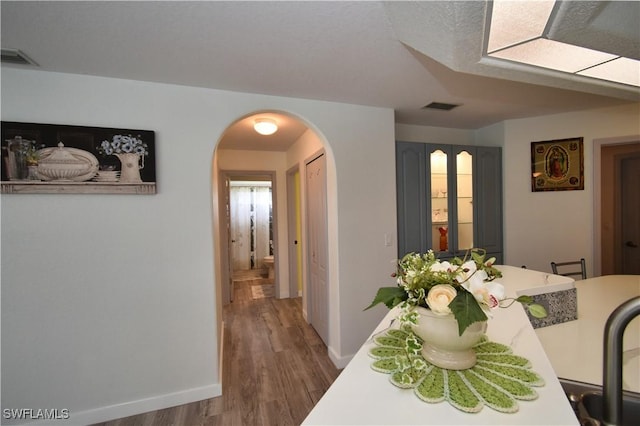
{"x": 439, "y": 202}
{"x": 464, "y": 191}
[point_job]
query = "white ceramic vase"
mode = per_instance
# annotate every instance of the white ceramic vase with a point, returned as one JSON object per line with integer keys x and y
{"x": 130, "y": 171}
{"x": 442, "y": 345}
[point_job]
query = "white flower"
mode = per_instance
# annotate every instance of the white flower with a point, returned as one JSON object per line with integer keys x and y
{"x": 496, "y": 294}
{"x": 441, "y": 267}
{"x": 439, "y": 298}
{"x": 106, "y": 147}
{"x": 486, "y": 293}
{"x": 123, "y": 144}
{"x": 466, "y": 271}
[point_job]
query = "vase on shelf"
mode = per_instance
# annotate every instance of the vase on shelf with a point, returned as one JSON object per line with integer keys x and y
{"x": 131, "y": 165}
{"x": 16, "y": 159}
{"x": 444, "y": 244}
{"x": 33, "y": 172}
{"x": 443, "y": 346}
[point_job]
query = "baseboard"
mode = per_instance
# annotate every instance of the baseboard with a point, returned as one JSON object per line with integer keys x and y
{"x": 339, "y": 361}
{"x": 126, "y": 409}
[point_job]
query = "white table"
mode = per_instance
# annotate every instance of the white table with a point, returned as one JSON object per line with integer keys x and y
{"x": 575, "y": 348}
{"x": 362, "y": 396}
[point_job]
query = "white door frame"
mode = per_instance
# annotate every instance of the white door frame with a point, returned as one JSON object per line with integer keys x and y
{"x": 227, "y": 175}
{"x": 597, "y": 187}
{"x": 294, "y": 241}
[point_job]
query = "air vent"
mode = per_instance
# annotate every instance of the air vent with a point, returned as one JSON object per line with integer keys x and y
{"x": 441, "y": 106}
{"x": 16, "y": 57}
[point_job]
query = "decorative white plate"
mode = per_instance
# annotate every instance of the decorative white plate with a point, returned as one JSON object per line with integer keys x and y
{"x": 66, "y": 164}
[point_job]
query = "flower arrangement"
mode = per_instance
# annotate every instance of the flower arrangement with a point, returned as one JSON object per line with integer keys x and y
{"x": 32, "y": 155}
{"x": 123, "y": 144}
{"x": 465, "y": 288}
{"x": 25, "y": 148}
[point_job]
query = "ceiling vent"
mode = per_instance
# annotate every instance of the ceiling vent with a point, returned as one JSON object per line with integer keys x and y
{"x": 16, "y": 57}
{"x": 441, "y": 106}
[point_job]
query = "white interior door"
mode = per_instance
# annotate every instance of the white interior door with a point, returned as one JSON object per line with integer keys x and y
{"x": 240, "y": 210}
{"x": 317, "y": 243}
{"x": 251, "y": 222}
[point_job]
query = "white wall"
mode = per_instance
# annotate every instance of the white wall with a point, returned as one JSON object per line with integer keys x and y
{"x": 108, "y": 302}
{"x": 545, "y": 226}
{"x": 306, "y": 146}
{"x": 437, "y": 135}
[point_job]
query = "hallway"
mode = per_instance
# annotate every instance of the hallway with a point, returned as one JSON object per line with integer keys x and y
{"x": 275, "y": 367}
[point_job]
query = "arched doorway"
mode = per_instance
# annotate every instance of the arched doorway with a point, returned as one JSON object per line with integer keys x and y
{"x": 241, "y": 151}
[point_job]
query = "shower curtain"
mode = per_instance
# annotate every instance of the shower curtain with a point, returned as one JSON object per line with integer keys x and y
{"x": 251, "y": 226}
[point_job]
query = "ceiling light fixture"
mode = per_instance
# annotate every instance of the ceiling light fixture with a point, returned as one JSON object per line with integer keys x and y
{"x": 265, "y": 126}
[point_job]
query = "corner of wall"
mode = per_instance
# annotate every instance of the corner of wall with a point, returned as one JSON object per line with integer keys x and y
{"x": 339, "y": 361}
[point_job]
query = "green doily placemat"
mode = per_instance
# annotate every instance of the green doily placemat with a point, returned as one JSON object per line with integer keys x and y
{"x": 498, "y": 379}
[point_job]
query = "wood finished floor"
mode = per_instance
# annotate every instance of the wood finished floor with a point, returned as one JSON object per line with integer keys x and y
{"x": 275, "y": 368}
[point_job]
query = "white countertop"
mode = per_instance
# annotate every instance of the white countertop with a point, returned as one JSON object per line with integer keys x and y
{"x": 575, "y": 348}
{"x": 362, "y": 396}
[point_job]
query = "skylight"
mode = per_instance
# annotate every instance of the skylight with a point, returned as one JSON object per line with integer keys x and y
{"x": 519, "y": 33}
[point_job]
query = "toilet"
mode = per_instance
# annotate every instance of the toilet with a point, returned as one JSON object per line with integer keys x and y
{"x": 268, "y": 262}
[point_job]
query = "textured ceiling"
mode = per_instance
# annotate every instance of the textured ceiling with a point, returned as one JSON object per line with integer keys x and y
{"x": 612, "y": 26}
{"x": 400, "y": 55}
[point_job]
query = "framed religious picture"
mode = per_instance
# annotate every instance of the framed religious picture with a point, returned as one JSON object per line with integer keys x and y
{"x": 557, "y": 165}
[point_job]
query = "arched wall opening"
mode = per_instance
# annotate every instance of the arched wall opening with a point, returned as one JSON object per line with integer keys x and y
{"x": 235, "y": 154}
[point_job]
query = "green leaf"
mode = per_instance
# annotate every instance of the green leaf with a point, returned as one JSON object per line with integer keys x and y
{"x": 525, "y": 299}
{"x": 390, "y": 296}
{"x": 478, "y": 256}
{"x": 466, "y": 310}
{"x": 538, "y": 311}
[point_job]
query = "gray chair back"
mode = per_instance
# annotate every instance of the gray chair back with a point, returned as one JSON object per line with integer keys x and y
{"x": 572, "y": 265}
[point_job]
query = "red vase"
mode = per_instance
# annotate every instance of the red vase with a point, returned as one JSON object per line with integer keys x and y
{"x": 444, "y": 244}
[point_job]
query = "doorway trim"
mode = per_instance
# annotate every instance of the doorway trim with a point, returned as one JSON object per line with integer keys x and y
{"x": 226, "y": 175}
{"x": 597, "y": 197}
{"x": 294, "y": 231}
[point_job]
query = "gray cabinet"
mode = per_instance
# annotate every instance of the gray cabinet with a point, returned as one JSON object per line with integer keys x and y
{"x": 449, "y": 198}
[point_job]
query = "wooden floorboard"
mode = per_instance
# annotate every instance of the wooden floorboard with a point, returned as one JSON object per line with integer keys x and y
{"x": 275, "y": 368}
